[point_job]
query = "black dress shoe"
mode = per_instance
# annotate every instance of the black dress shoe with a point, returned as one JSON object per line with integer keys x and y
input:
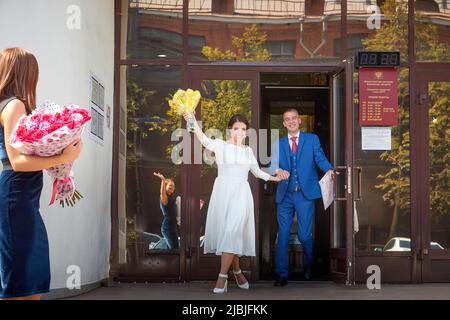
{"x": 281, "y": 282}
{"x": 308, "y": 273}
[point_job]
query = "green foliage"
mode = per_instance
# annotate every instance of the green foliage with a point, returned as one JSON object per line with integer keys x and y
{"x": 132, "y": 235}
{"x": 439, "y": 114}
{"x": 248, "y": 47}
{"x": 138, "y": 106}
{"x": 393, "y": 36}
{"x": 223, "y": 98}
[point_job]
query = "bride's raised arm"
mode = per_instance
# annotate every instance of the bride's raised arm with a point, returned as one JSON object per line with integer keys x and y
{"x": 208, "y": 143}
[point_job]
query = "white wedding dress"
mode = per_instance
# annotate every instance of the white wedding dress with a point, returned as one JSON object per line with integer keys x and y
{"x": 230, "y": 222}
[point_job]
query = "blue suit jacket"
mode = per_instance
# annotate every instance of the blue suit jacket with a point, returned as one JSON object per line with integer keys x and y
{"x": 309, "y": 155}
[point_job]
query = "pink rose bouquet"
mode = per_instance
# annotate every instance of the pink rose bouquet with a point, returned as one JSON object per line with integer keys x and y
{"x": 47, "y": 132}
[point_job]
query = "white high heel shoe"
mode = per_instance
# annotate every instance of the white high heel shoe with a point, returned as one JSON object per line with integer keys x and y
{"x": 244, "y": 286}
{"x": 224, "y": 289}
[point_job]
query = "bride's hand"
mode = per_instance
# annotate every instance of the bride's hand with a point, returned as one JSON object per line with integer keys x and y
{"x": 186, "y": 116}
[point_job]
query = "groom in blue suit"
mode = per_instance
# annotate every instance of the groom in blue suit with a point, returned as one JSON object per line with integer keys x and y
{"x": 294, "y": 158}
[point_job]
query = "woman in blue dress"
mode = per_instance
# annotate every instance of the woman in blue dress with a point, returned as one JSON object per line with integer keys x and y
{"x": 24, "y": 251}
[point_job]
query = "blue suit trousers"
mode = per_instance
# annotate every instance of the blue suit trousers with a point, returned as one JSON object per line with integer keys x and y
{"x": 294, "y": 202}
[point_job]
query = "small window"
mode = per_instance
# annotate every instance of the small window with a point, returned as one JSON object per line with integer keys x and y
{"x": 389, "y": 245}
{"x": 436, "y": 246}
{"x": 426, "y": 5}
{"x": 354, "y": 44}
{"x": 281, "y": 49}
{"x": 405, "y": 244}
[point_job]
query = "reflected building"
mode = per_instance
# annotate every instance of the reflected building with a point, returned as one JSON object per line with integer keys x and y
{"x": 275, "y": 54}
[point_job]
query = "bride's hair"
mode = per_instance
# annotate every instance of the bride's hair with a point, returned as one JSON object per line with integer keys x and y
{"x": 238, "y": 118}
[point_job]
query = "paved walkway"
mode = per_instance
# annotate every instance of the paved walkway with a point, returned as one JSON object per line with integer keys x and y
{"x": 265, "y": 291}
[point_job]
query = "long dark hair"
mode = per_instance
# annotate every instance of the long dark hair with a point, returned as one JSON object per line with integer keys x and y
{"x": 19, "y": 73}
{"x": 238, "y": 118}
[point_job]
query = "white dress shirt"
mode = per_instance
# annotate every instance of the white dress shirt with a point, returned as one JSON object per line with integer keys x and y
{"x": 290, "y": 139}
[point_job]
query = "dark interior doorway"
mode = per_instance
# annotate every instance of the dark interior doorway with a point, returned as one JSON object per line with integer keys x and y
{"x": 309, "y": 93}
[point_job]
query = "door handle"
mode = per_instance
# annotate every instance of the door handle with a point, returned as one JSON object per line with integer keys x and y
{"x": 344, "y": 170}
{"x": 422, "y": 254}
{"x": 190, "y": 251}
{"x": 359, "y": 197}
{"x": 268, "y": 189}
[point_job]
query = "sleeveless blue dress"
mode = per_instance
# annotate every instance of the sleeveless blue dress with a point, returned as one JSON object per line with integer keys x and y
{"x": 169, "y": 224}
{"x": 24, "y": 251}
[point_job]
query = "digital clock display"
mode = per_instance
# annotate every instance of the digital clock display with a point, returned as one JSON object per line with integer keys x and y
{"x": 378, "y": 59}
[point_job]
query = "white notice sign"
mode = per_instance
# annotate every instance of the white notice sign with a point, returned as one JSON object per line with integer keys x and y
{"x": 376, "y": 138}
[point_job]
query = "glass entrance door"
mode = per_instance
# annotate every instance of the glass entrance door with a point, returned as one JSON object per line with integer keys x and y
{"x": 433, "y": 176}
{"x": 342, "y": 211}
{"x": 309, "y": 94}
{"x": 224, "y": 93}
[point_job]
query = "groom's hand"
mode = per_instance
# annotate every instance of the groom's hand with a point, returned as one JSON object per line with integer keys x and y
{"x": 332, "y": 173}
{"x": 282, "y": 174}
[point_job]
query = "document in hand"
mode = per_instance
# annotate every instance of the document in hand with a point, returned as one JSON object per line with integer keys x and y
{"x": 326, "y": 186}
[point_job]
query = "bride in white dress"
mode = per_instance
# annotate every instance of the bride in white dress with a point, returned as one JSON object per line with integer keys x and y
{"x": 230, "y": 224}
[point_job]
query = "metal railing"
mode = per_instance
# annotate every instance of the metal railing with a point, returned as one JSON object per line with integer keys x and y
{"x": 270, "y": 7}
{"x": 359, "y": 6}
{"x": 172, "y": 5}
{"x": 265, "y": 7}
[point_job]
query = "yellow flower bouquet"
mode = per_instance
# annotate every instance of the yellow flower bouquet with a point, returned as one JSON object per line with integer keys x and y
{"x": 185, "y": 102}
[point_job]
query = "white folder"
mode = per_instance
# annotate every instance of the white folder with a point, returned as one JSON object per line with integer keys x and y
{"x": 326, "y": 186}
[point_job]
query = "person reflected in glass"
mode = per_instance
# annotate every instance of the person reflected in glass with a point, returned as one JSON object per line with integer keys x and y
{"x": 168, "y": 208}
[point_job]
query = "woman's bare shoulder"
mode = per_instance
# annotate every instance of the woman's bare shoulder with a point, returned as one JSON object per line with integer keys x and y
{"x": 13, "y": 109}
{"x": 14, "y": 106}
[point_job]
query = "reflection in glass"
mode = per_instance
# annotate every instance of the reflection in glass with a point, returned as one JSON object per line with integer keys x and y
{"x": 154, "y": 29}
{"x": 221, "y": 100}
{"x": 277, "y": 8}
{"x": 289, "y": 30}
{"x": 384, "y": 212}
{"x": 439, "y": 162}
{"x": 281, "y": 50}
{"x": 432, "y": 30}
{"x": 390, "y": 35}
{"x": 150, "y": 224}
{"x": 168, "y": 206}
